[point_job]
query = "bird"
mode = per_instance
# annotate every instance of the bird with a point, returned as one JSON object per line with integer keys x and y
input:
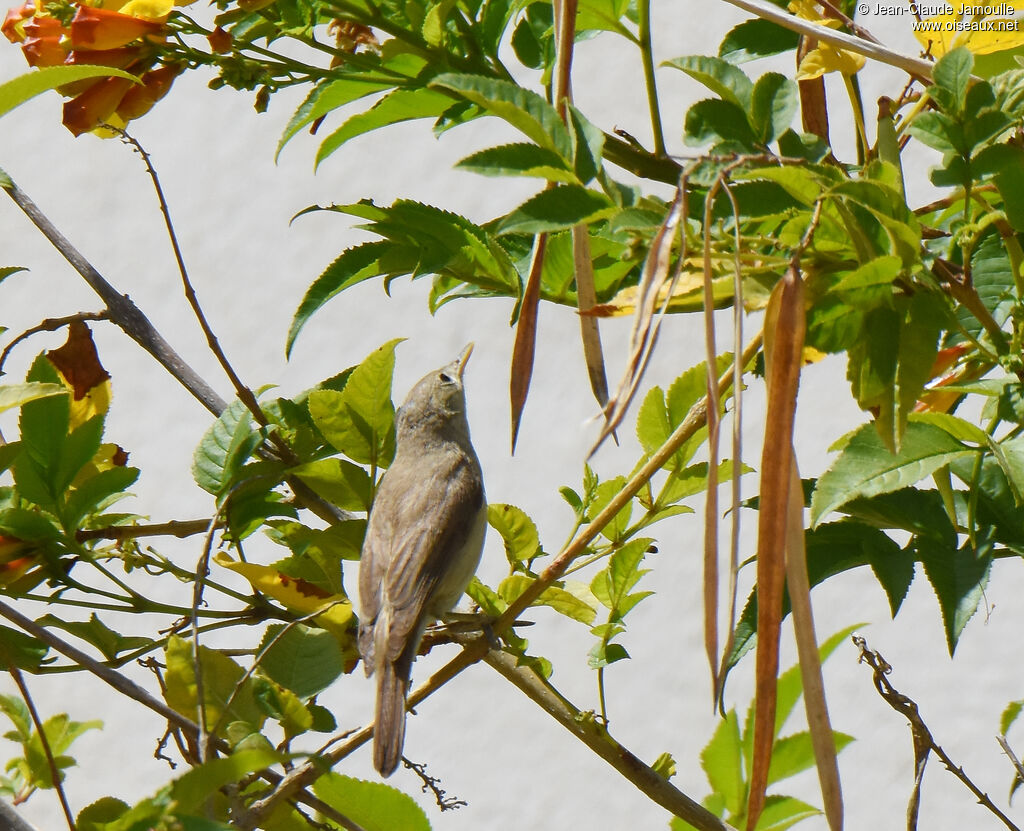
{"x": 424, "y": 539}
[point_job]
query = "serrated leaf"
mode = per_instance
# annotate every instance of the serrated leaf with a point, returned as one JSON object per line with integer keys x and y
{"x": 722, "y": 760}
{"x": 303, "y": 660}
{"x": 94, "y": 492}
{"x": 793, "y": 754}
{"x": 564, "y": 602}
{"x": 322, "y": 99}
{"x": 15, "y": 395}
{"x": 520, "y": 159}
{"x": 224, "y": 449}
{"x": 339, "y": 481}
{"x": 220, "y": 676}
{"x": 958, "y": 578}
{"x": 865, "y": 467}
{"x": 713, "y": 119}
{"x": 724, "y": 79}
{"x": 60, "y": 733}
{"x": 295, "y": 594}
{"x": 517, "y": 531}
{"x": 397, "y": 106}
{"x": 1009, "y": 715}
{"x": 525, "y": 110}
{"x": 359, "y": 421}
{"x": 952, "y": 73}
{"x": 22, "y": 650}
{"x": 372, "y": 805}
{"x": 351, "y": 267}
{"x": 193, "y": 789}
{"x": 556, "y": 209}
{"x": 773, "y": 103}
{"x": 754, "y": 39}
{"x": 97, "y": 633}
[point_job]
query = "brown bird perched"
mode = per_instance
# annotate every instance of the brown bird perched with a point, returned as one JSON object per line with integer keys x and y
{"x": 423, "y": 543}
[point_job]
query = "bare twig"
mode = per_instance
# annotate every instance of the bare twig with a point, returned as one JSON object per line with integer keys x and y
{"x": 11, "y": 820}
{"x": 58, "y": 785}
{"x": 121, "y": 309}
{"x": 433, "y": 784}
{"x": 841, "y": 40}
{"x": 50, "y": 324}
{"x": 923, "y": 741}
{"x": 179, "y": 528}
{"x": 244, "y": 393}
{"x": 1005, "y": 745}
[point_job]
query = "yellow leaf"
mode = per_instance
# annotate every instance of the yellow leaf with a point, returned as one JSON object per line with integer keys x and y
{"x": 295, "y": 594}
{"x": 825, "y": 58}
{"x": 982, "y": 33}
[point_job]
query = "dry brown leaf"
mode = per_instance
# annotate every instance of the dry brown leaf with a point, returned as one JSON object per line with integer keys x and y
{"x": 526, "y": 338}
{"x": 645, "y": 324}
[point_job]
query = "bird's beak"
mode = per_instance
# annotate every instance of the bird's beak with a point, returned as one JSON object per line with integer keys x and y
{"x": 463, "y": 359}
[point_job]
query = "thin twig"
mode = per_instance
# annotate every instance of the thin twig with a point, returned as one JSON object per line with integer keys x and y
{"x": 202, "y": 567}
{"x": 922, "y": 735}
{"x": 179, "y": 528}
{"x": 45, "y": 742}
{"x": 244, "y": 393}
{"x": 50, "y": 324}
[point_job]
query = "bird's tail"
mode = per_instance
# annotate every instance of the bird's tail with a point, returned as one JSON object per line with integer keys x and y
{"x": 389, "y": 729}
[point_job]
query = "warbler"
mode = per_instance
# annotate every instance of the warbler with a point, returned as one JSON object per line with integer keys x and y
{"x": 423, "y": 543}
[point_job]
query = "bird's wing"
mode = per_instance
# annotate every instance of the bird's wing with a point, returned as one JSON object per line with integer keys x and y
{"x": 429, "y": 526}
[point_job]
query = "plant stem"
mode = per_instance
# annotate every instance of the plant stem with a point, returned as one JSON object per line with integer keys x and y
{"x": 647, "y": 56}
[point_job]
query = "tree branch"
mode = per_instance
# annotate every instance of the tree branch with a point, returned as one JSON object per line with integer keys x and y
{"x": 122, "y": 310}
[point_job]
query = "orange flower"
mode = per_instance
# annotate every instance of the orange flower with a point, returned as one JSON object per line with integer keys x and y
{"x": 43, "y": 45}
{"x": 102, "y": 29}
{"x": 96, "y": 105}
{"x": 140, "y": 99}
{"x": 12, "y": 27}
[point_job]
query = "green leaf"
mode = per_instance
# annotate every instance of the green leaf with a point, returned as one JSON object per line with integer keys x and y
{"x": 220, "y": 676}
{"x": 224, "y": 449}
{"x": 60, "y": 733}
{"x": 22, "y": 650}
{"x": 958, "y": 578}
{"x": 520, "y": 159}
{"x": 782, "y": 812}
{"x": 564, "y": 602}
{"x": 588, "y": 146}
{"x": 714, "y": 118}
{"x": 16, "y": 710}
{"x": 339, "y": 481}
{"x": 612, "y": 584}
{"x": 938, "y": 131}
{"x": 556, "y": 209}
{"x": 1009, "y": 715}
{"x": 722, "y": 760}
{"x": 371, "y": 805}
{"x": 794, "y": 754}
{"x": 952, "y": 75}
{"x": 193, "y": 789}
{"x": 94, "y": 492}
{"x": 772, "y": 105}
{"x": 724, "y": 79}
{"x": 322, "y": 99}
{"x": 992, "y": 278}
{"x": 18, "y": 90}
{"x": 399, "y": 105}
{"x": 97, "y": 633}
{"x": 359, "y": 421}
{"x": 603, "y": 494}
{"x": 351, "y": 267}
{"x": 304, "y": 660}
{"x": 95, "y": 816}
{"x": 525, "y": 110}
{"x": 604, "y": 654}
{"x": 755, "y": 39}
{"x": 865, "y": 467}
{"x": 282, "y": 705}
{"x": 603, "y": 14}
{"x": 15, "y": 395}
{"x": 517, "y": 531}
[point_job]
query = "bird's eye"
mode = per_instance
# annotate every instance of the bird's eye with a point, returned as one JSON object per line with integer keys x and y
{"x": 446, "y": 378}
